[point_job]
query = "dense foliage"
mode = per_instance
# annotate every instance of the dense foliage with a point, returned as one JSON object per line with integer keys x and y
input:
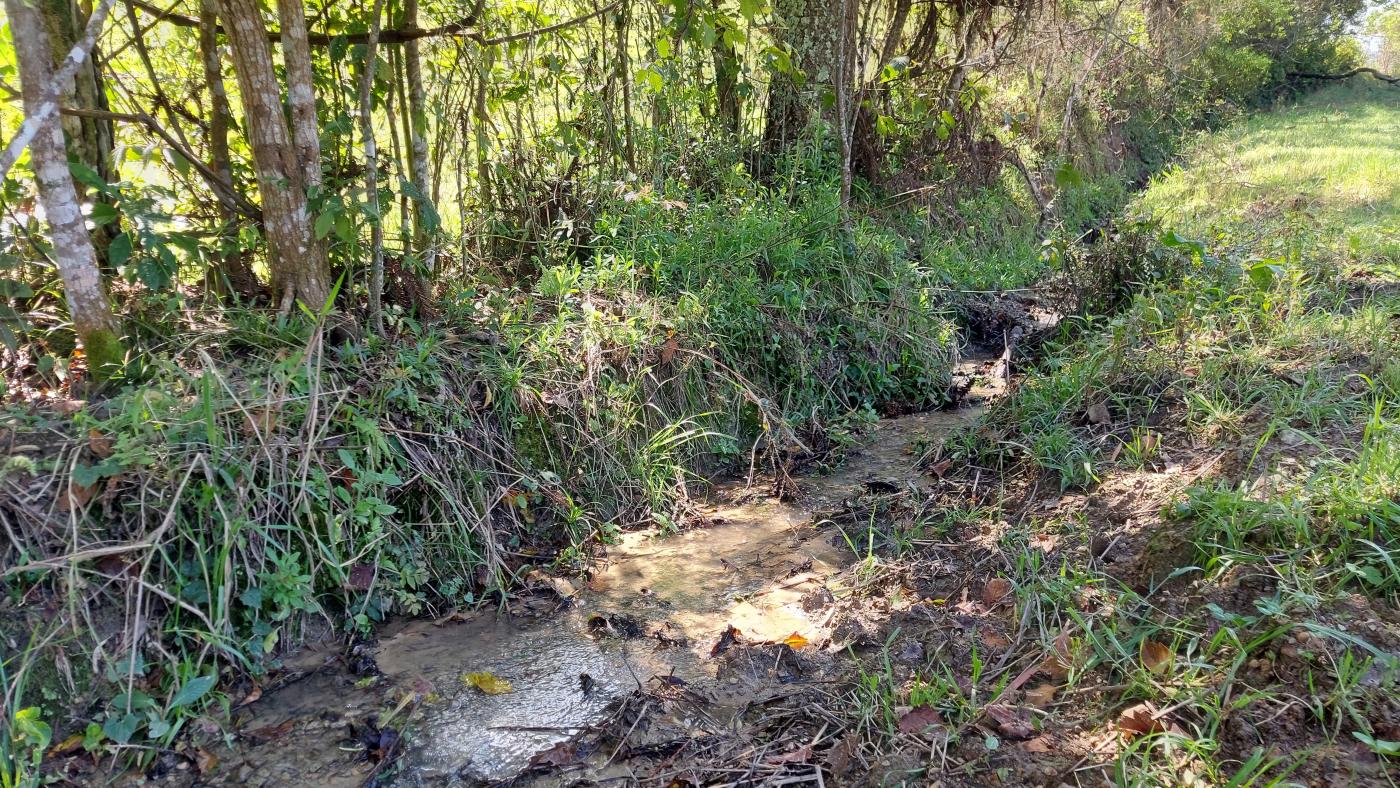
{"x": 412, "y": 299}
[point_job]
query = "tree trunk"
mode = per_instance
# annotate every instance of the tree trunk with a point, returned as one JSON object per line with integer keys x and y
{"x": 424, "y": 226}
{"x": 88, "y": 306}
{"x": 811, "y": 31}
{"x": 297, "y": 263}
{"x": 301, "y": 90}
{"x": 89, "y": 140}
{"x": 376, "y": 227}
{"x": 232, "y": 274}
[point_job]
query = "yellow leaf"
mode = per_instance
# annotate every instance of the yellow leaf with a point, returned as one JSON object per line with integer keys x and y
{"x": 795, "y": 641}
{"x": 488, "y": 683}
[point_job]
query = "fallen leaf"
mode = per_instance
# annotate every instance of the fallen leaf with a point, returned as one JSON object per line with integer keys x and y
{"x": 1040, "y": 695}
{"x": 1156, "y": 657}
{"x": 1045, "y": 542}
{"x": 78, "y": 497}
{"x": 941, "y": 468}
{"x": 205, "y": 761}
{"x": 919, "y": 719}
{"x": 1013, "y": 722}
{"x": 669, "y": 348}
{"x": 795, "y": 641}
{"x": 802, "y": 754}
{"x": 259, "y": 421}
{"x": 995, "y": 590}
{"x": 488, "y": 683}
{"x": 726, "y": 640}
{"x": 562, "y": 754}
{"x": 99, "y": 444}
{"x": 71, "y": 744}
{"x": 993, "y": 640}
{"x": 361, "y": 577}
{"x": 840, "y": 757}
{"x": 562, "y": 587}
{"x": 1061, "y": 659}
{"x": 1039, "y": 744}
{"x": 252, "y": 696}
{"x": 1142, "y": 719}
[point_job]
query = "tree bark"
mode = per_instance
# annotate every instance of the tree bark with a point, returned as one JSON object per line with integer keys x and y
{"x": 811, "y": 31}
{"x": 296, "y": 262}
{"x": 88, "y": 306}
{"x": 301, "y": 90}
{"x": 376, "y": 227}
{"x": 423, "y": 232}
{"x": 232, "y": 273}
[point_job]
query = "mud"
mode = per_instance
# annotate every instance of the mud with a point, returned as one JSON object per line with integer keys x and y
{"x": 657, "y": 610}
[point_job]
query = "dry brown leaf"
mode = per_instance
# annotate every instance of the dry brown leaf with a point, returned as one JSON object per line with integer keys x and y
{"x": 669, "y": 348}
{"x": 1013, "y": 721}
{"x": 1045, "y": 542}
{"x": 252, "y": 696}
{"x": 259, "y": 421}
{"x": 78, "y": 497}
{"x": 562, "y": 754}
{"x": 1039, "y": 744}
{"x": 993, "y": 640}
{"x": 1144, "y": 718}
{"x": 995, "y": 590}
{"x": 1040, "y": 695}
{"x": 919, "y": 719}
{"x": 99, "y": 444}
{"x": 205, "y": 761}
{"x": 802, "y": 754}
{"x": 938, "y": 469}
{"x": 1157, "y": 657}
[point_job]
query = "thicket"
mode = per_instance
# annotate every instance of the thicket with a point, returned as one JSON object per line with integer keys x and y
{"x": 533, "y": 272}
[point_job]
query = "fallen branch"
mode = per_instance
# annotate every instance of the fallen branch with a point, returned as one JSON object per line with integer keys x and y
{"x": 1347, "y": 75}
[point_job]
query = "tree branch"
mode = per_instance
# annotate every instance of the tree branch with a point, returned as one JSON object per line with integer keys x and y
{"x": 1348, "y": 75}
{"x": 216, "y": 183}
{"x": 462, "y": 27}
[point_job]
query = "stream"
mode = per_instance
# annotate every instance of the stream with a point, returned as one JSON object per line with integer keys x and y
{"x": 654, "y": 610}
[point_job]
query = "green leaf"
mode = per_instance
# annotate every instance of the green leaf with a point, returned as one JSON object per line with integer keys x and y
{"x": 325, "y": 223}
{"x": 192, "y": 690}
{"x": 750, "y": 8}
{"x": 119, "y": 250}
{"x": 121, "y": 729}
{"x": 1067, "y": 176}
{"x": 103, "y": 213}
{"x": 32, "y": 728}
{"x": 86, "y": 175}
{"x": 13, "y": 288}
{"x": 1380, "y": 746}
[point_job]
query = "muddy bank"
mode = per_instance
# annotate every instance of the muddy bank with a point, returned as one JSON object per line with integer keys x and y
{"x": 657, "y": 612}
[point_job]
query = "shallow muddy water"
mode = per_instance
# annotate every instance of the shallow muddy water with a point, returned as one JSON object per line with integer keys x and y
{"x": 655, "y": 606}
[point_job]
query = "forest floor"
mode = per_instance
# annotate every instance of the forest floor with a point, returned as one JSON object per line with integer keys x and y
{"x": 1164, "y": 555}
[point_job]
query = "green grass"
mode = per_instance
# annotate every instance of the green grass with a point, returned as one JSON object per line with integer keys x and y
{"x": 1270, "y": 347}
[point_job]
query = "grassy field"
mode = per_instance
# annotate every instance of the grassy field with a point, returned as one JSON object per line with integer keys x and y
{"x": 1202, "y": 502}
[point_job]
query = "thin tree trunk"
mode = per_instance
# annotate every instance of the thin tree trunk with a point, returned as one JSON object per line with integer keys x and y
{"x": 297, "y": 264}
{"x": 90, "y": 140}
{"x": 232, "y": 273}
{"x": 97, "y": 328}
{"x": 376, "y": 227}
{"x": 301, "y": 90}
{"x": 423, "y": 229}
